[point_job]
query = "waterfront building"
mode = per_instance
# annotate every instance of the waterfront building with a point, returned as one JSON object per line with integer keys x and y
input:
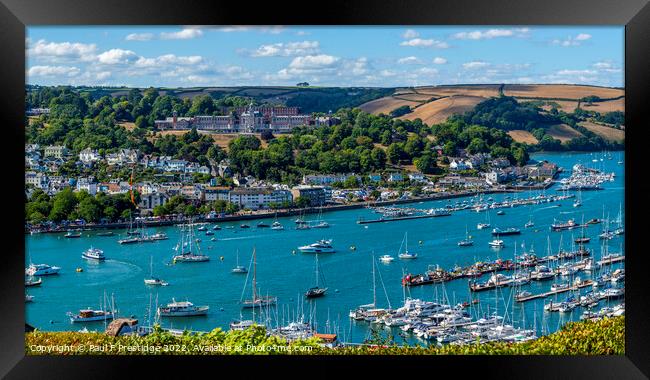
{"x": 317, "y": 195}
{"x": 256, "y": 198}
{"x": 216, "y": 193}
{"x": 326, "y": 179}
{"x": 151, "y": 200}
{"x": 417, "y": 177}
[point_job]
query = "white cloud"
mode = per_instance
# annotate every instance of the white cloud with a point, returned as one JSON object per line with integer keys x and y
{"x": 576, "y": 72}
{"x": 572, "y": 41}
{"x": 139, "y": 37}
{"x": 419, "y": 42}
{"x": 234, "y": 28}
{"x": 46, "y": 71}
{"x": 62, "y": 50}
{"x": 286, "y": 49}
{"x": 116, "y": 57}
{"x": 185, "y": 34}
{"x": 475, "y": 65}
{"x": 313, "y": 62}
{"x": 356, "y": 67}
{"x": 491, "y": 33}
{"x": 439, "y": 61}
{"x": 410, "y": 33}
{"x": 168, "y": 59}
{"x": 412, "y": 60}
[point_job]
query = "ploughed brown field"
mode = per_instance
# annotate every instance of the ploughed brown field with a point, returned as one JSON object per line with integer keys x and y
{"x": 562, "y": 91}
{"x": 385, "y": 105}
{"x": 562, "y": 132}
{"x": 418, "y": 98}
{"x": 519, "y": 135}
{"x": 609, "y": 133}
{"x": 439, "y": 110}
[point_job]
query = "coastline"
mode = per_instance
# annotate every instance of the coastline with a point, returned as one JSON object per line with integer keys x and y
{"x": 266, "y": 214}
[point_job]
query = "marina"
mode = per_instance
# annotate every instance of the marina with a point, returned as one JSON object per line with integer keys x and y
{"x": 284, "y": 277}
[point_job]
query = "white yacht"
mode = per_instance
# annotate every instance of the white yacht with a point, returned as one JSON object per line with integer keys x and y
{"x": 94, "y": 254}
{"x": 277, "y": 226}
{"x": 41, "y": 270}
{"x": 182, "y": 309}
{"x": 386, "y": 258}
{"x": 241, "y": 324}
{"x": 496, "y": 243}
{"x": 321, "y": 246}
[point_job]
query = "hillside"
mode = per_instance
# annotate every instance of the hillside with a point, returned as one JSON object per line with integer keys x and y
{"x": 434, "y": 104}
{"x": 308, "y": 99}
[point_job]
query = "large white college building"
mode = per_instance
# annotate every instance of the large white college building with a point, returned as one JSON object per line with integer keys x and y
{"x": 243, "y": 120}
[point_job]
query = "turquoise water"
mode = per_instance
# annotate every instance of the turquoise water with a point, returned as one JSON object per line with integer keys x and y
{"x": 286, "y": 275}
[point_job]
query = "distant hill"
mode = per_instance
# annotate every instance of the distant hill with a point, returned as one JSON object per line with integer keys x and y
{"x": 434, "y": 104}
{"x": 309, "y": 99}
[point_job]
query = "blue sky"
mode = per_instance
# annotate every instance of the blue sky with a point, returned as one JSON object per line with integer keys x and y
{"x": 186, "y": 56}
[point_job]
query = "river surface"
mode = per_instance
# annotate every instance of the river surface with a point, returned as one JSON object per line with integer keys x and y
{"x": 347, "y": 273}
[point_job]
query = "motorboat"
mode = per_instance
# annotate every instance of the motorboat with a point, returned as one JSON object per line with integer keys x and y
{"x": 386, "y": 258}
{"x": 182, "y": 309}
{"x": 277, "y": 226}
{"x": 496, "y": 243}
{"x": 90, "y": 315}
{"x": 71, "y": 235}
{"x": 41, "y": 270}
{"x": 321, "y": 246}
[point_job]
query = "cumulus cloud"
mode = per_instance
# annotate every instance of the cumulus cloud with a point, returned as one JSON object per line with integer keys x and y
{"x": 439, "y": 61}
{"x": 139, "y": 37}
{"x": 117, "y": 57}
{"x": 572, "y": 41}
{"x": 475, "y": 65}
{"x": 412, "y": 60}
{"x": 491, "y": 33}
{"x": 48, "y": 71}
{"x": 419, "y": 42}
{"x": 62, "y": 50}
{"x": 313, "y": 62}
{"x": 184, "y": 34}
{"x": 286, "y": 49}
{"x": 168, "y": 59}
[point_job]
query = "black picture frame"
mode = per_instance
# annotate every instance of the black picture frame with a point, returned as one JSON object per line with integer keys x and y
{"x": 15, "y": 15}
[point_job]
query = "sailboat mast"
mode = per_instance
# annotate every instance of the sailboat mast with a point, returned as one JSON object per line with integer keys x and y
{"x": 254, "y": 275}
{"x": 374, "y": 284}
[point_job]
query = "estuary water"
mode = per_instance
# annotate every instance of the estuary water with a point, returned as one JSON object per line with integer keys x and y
{"x": 284, "y": 272}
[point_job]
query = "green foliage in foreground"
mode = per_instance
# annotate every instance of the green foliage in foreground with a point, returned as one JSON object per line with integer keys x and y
{"x": 603, "y": 337}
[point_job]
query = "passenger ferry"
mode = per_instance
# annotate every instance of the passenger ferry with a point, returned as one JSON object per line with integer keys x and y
{"x": 94, "y": 254}
{"x": 321, "y": 246}
{"x": 41, "y": 270}
{"x": 182, "y": 309}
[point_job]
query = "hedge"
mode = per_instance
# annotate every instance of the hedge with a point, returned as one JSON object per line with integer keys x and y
{"x": 601, "y": 337}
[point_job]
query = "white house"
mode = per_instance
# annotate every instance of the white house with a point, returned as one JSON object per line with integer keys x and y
{"x": 459, "y": 165}
{"x": 87, "y": 184}
{"x": 88, "y": 156}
